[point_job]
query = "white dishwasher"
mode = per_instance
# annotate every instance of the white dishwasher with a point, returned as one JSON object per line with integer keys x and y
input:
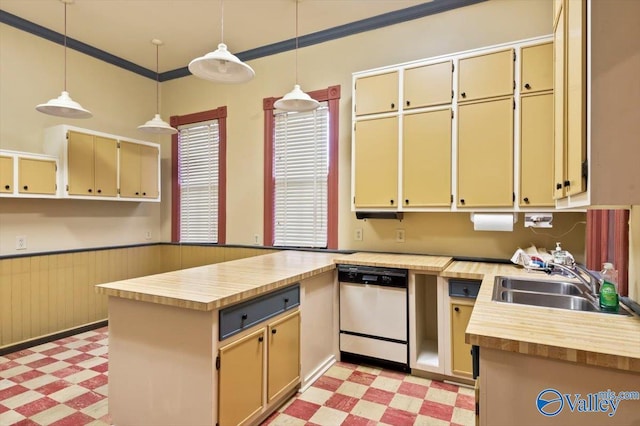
{"x": 373, "y": 315}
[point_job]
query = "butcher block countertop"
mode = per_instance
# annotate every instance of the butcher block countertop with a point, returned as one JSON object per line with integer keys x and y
{"x": 405, "y": 261}
{"x": 592, "y": 338}
{"x": 210, "y": 287}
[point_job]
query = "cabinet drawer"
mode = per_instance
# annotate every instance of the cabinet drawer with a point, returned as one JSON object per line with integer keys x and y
{"x": 464, "y": 288}
{"x": 239, "y": 317}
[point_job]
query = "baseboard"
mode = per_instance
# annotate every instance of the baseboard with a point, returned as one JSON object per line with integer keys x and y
{"x": 25, "y": 344}
{"x": 315, "y": 374}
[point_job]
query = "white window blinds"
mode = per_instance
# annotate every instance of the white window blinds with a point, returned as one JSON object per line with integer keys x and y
{"x": 301, "y": 167}
{"x": 198, "y": 177}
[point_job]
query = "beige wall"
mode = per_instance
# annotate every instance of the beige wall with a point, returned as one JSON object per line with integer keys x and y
{"x": 634, "y": 253}
{"x": 121, "y": 100}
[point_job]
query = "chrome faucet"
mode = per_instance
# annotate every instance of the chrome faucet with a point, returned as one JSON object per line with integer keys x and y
{"x": 579, "y": 272}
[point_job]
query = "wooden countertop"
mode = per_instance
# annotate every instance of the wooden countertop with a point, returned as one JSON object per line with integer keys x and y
{"x": 210, "y": 287}
{"x": 603, "y": 340}
{"x": 407, "y": 261}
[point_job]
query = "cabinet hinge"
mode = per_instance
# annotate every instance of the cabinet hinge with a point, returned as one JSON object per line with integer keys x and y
{"x": 452, "y": 198}
{"x": 453, "y": 67}
{"x": 452, "y": 113}
{"x": 477, "y": 409}
{"x": 585, "y": 169}
{"x": 452, "y": 94}
{"x": 56, "y": 186}
{"x": 66, "y": 135}
{"x": 118, "y": 191}
{"x": 514, "y": 55}
{"x": 67, "y": 188}
{"x": 354, "y": 200}
{"x": 218, "y": 362}
{"x": 514, "y": 85}
{"x": 514, "y": 196}
{"x": 514, "y": 104}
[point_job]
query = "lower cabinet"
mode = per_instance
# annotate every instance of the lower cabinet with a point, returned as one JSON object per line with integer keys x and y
{"x": 461, "y": 361}
{"x": 269, "y": 354}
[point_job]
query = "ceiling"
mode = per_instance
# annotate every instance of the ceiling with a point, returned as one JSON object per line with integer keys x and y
{"x": 191, "y": 28}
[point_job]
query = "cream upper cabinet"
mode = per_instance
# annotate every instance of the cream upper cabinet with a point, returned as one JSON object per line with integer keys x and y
{"x": 92, "y": 165}
{"x": 485, "y": 154}
{"x": 6, "y": 174}
{"x": 376, "y": 163}
{"x": 428, "y": 85}
{"x": 536, "y": 68}
{"x": 486, "y": 76}
{"x": 536, "y": 150}
{"x": 426, "y": 159}
{"x": 376, "y": 93}
{"x": 138, "y": 170}
{"x": 36, "y": 176}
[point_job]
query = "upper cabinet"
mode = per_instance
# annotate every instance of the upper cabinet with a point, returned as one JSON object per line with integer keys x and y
{"x": 596, "y": 115}
{"x": 488, "y": 75}
{"x": 472, "y": 131}
{"x": 376, "y": 93}
{"x": 95, "y": 165}
{"x": 428, "y": 85}
{"x": 28, "y": 175}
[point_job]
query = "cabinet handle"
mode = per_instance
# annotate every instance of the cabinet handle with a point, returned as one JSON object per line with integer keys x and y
{"x": 99, "y": 191}
{"x": 465, "y": 290}
{"x": 286, "y": 300}
{"x": 260, "y": 339}
{"x": 463, "y": 94}
{"x": 461, "y": 200}
{"x": 391, "y": 202}
{"x": 527, "y": 86}
{"x": 456, "y": 309}
{"x": 26, "y": 187}
{"x": 406, "y": 201}
{"x": 90, "y": 191}
{"x": 244, "y": 317}
{"x": 567, "y": 183}
{"x": 408, "y": 103}
{"x": 144, "y": 193}
{"x": 137, "y": 193}
{"x": 526, "y": 200}
{"x": 393, "y": 105}
{"x": 558, "y": 186}
{"x": 274, "y": 331}
{"x": 7, "y": 187}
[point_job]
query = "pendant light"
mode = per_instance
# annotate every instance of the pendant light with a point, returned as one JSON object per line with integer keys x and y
{"x": 157, "y": 125}
{"x": 296, "y": 100}
{"x": 63, "y": 105}
{"x": 221, "y": 66}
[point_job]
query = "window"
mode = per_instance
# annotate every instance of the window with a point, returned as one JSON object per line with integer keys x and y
{"x": 199, "y": 177}
{"x": 301, "y": 174}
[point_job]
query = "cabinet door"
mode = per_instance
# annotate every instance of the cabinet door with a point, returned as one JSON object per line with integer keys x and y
{"x": 6, "y": 174}
{"x": 559, "y": 118}
{"x": 283, "y": 355}
{"x": 149, "y": 171}
{"x": 241, "y": 379}
{"x": 536, "y": 150}
{"x": 428, "y": 85}
{"x": 485, "y": 154}
{"x": 129, "y": 170}
{"x": 36, "y": 176}
{"x": 461, "y": 361}
{"x": 376, "y": 93}
{"x": 426, "y": 159}
{"x": 576, "y": 90}
{"x": 376, "y": 163}
{"x": 536, "y": 68}
{"x": 80, "y": 164}
{"x": 106, "y": 166}
{"x": 486, "y": 76}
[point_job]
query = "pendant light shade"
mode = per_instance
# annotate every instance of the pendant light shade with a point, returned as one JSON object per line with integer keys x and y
{"x": 63, "y": 105}
{"x": 157, "y": 125}
{"x": 296, "y": 100}
{"x": 221, "y": 66}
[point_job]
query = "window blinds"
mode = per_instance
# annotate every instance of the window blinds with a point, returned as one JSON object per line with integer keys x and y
{"x": 198, "y": 178}
{"x": 301, "y": 151}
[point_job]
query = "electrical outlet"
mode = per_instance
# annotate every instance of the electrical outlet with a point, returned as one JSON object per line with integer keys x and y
{"x": 147, "y": 235}
{"x": 256, "y": 239}
{"x": 357, "y": 235}
{"x": 21, "y": 242}
{"x": 400, "y": 235}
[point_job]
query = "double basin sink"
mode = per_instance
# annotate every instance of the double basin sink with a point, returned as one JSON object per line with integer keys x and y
{"x": 548, "y": 293}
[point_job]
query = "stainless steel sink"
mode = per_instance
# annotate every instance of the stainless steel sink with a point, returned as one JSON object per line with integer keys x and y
{"x": 547, "y": 293}
{"x": 555, "y": 287}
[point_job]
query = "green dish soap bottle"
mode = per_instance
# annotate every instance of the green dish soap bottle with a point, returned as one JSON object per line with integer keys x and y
{"x": 608, "y": 288}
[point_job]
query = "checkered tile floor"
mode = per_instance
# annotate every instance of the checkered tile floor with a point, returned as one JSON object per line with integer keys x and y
{"x": 64, "y": 383}
{"x": 349, "y": 394}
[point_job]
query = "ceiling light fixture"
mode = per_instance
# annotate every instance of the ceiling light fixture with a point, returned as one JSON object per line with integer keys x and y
{"x": 296, "y": 100}
{"x": 157, "y": 125}
{"x": 63, "y": 105}
{"x": 221, "y": 66}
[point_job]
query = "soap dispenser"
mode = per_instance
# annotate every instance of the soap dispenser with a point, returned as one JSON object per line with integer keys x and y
{"x": 560, "y": 256}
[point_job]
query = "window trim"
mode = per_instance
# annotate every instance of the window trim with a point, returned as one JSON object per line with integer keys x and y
{"x": 332, "y": 96}
{"x": 219, "y": 114}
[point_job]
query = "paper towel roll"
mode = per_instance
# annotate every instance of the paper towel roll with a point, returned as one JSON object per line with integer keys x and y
{"x": 492, "y": 221}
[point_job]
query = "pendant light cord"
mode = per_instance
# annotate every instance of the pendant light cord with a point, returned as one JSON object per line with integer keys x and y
{"x": 157, "y": 80}
{"x": 297, "y": 1}
{"x": 221, "y": 21}
{"x": 65, "y": 47}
